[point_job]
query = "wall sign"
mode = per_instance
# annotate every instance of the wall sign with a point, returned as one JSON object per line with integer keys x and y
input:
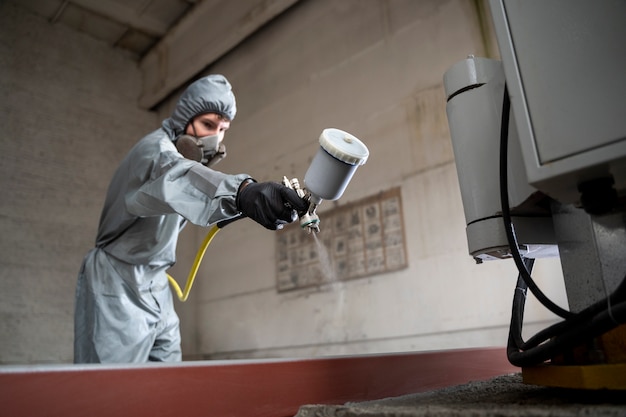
{"x": 359, "y": 239}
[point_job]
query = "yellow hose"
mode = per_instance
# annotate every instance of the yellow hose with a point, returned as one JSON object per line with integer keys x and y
{"x": 182, "y": 296}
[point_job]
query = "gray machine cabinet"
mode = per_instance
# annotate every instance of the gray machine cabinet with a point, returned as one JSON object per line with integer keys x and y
{"x": 565, "y": 66}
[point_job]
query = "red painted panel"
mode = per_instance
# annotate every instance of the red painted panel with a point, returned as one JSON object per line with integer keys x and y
{"x": 273, "y": 388}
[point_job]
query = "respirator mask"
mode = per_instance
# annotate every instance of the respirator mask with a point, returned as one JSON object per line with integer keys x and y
{"x": 208, "y": 150}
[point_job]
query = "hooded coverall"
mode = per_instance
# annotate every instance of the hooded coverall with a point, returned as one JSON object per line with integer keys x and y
{"x": 124, "y": 310}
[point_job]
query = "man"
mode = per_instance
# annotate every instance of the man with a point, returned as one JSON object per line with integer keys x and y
{"x": 124, "y": 309}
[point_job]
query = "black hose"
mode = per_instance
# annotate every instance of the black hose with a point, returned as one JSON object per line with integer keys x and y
{"x": 583, "y": 332}
{"x": 595, "y": 320}
{"x": 618, "y": 296}
{"x": 506, "y": 215}
{"x": 576, "y": 329}
{"x": 517, "y": 313}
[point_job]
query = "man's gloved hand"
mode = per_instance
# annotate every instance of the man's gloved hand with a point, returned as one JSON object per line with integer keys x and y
{"x": 270, "y": 204}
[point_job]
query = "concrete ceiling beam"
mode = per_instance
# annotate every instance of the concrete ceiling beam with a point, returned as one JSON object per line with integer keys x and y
{"x": 205, "y": 34}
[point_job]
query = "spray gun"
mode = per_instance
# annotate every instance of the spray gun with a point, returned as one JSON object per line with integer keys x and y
{"x": 332, "y": 168}
{"x": 328, "y": 175}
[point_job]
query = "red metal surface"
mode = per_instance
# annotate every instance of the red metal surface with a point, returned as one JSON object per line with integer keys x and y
{"x": 273, "y": 388}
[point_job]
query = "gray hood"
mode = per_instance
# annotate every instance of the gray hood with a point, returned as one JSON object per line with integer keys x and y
{"x": 210, "y": 94}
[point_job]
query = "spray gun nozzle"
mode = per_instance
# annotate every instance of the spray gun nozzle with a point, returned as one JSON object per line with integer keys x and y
{"x": 309, "y": 220}
{"x": 311, "y": 227}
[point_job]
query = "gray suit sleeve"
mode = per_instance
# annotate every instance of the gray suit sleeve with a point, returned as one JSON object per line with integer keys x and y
{"x": 199, "y": 194}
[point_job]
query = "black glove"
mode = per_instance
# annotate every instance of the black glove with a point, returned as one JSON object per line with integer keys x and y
{"x": 269, "y": 203}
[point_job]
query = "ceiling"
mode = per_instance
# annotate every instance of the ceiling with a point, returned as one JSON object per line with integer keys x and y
{"x": 149, "y": 30}
{"x": 131, "y": 25}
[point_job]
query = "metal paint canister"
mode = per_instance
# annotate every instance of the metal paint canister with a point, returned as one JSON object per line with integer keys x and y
{"x": 336, "y": 161}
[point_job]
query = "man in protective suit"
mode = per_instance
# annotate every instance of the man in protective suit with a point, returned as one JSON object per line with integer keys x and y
{"x": 124, "y": 309}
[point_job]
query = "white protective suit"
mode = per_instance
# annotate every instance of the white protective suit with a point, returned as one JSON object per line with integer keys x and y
{"x": 124, "y": 310}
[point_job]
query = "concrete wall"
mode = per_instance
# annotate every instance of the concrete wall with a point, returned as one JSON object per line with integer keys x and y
{"x": 68, "y": 114}
{"x": 373, "y": 68}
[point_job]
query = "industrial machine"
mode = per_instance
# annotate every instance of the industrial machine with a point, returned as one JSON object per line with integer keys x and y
{"x": 540, "y": 145}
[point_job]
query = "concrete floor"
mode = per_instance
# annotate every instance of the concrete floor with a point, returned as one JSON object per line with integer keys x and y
{"x": 502, "y": 396}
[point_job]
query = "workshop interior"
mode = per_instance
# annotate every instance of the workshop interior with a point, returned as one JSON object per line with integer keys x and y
{"x": 479, "y": 146}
